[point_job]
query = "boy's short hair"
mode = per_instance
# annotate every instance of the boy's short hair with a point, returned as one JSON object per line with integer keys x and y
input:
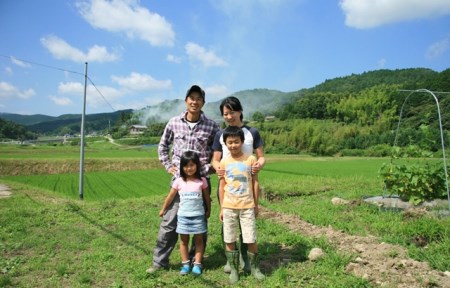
{"x": 233, "y": 131}
{"x": 195, "y": 88}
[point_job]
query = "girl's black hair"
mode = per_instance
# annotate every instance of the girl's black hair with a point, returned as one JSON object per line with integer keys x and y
{"x": 184, "y": 160}
{"x": 233, "y": 131}
{"x": 233, "y": 104}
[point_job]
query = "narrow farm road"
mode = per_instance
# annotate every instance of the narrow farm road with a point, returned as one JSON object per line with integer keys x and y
{"x": 5, "y": 191}
{"x": 373, "y": 261}
{"x": 111, "y": 140}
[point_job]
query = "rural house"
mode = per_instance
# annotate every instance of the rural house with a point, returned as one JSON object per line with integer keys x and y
{"x": 137, "y": 129}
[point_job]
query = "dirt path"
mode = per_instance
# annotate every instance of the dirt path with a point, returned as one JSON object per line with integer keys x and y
{"x": 111, "y": 140}
{"x": 375, "y": 261}
{"x": 4, "y": 191}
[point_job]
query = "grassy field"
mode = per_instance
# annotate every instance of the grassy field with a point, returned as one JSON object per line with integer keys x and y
{"x": 50, "y": 238}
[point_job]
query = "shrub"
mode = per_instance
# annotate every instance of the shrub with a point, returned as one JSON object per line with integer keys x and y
{"x": 414, "y": 182}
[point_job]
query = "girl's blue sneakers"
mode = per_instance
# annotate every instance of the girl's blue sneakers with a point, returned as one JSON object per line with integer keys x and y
{"x": 185, "y": 269}
{"x": 197, "y": 269}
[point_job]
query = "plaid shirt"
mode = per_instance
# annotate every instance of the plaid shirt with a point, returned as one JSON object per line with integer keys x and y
{"x": 183, "y": 138}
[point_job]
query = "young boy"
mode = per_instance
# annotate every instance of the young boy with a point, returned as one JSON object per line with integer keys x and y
{"x": 238, "y": 196}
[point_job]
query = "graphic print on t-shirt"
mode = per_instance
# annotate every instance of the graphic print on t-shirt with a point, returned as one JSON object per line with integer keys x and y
{"x": 237, "y": 172}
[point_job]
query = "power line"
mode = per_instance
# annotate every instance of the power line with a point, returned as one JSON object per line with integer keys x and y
{"x": 12, "y": 58}
{"x": 114, "y": 110}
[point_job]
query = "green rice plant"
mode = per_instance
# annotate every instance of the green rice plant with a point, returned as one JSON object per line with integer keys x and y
{"x": 71, "y": 243}
{"x": 49, "y": 238}
{"x": 352, "y": 180}
{"x": 96, "y": 151}
{"x": 100, "y": 185}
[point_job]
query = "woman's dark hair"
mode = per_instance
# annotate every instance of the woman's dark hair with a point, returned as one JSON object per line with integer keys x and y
{"x": 233, "y": 104}
{"x": 184, "y": 160}
{"x": 233, "y": 131}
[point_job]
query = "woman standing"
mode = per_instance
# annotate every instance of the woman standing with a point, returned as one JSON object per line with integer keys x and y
{"x": 232, "y": 113}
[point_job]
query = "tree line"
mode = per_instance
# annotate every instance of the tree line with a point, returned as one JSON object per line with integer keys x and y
{"x": 10, "y": 130}
{"x": 361, "y": 113}
{"x": 351, "y": 115}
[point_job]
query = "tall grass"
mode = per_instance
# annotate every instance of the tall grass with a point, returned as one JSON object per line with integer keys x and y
{"x": 100, "y": 186}
{"x": 305, "y": 189}
{"x": 48, "y": 241}
{"x": 49, "y": 238}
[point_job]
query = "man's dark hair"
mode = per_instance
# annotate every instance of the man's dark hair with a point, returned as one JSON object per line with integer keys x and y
{"x": 195, "y": 88}
{"x": 233, "y": 131}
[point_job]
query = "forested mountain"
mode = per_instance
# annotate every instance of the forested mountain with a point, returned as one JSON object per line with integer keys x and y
{"x": 71, "y": 124}
{"x": 12, "y": 130}
{"x": 67, "y": 123}
{"x": 26, "y": 119}
{"x": 262, "y": 100}
{"x": 416, "y": 78}
{"x": 362, "y": 111}
{"x": 355, "y": 112}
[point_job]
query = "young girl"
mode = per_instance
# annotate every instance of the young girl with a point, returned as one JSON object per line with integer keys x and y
{"x": 194, "y": 198}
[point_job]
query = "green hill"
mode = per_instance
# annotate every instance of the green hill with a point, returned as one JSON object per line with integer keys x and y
{"x": 357, "y": 99}
{"x": 26, "y": 119}
{"x": 263, "y": 100}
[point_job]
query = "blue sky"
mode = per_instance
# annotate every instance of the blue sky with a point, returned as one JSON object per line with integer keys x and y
{"x": 140, "y": 53}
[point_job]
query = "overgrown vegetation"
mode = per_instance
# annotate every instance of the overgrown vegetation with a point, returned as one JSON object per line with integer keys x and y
{"x": 414, "y": 179}
{"x": 351, "y": 115}
{"x": 13, "y": 131}
{"x": 49, "y": 238}
{"x": 359, "y": 112}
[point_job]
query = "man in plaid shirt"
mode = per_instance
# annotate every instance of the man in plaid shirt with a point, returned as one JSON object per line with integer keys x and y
{"x": 193, "y": 131}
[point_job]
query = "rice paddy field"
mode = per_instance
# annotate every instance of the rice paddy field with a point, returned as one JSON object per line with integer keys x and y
{"x": 49, "y": 237}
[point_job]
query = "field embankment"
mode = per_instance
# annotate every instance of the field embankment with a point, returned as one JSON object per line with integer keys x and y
{"x": 15, "y": 167}
{"x": 49, "y": 238}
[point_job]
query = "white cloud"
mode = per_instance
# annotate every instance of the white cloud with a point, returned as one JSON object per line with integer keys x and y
{"x": 93, "y": 97}
{"x": 137, "y": 81}
{"x": 7, "y": 90}
{"x": 438, "y": 49}
{"x": 129, "y": 17}
{"x": 73, "y": 88}
{"x": 107, "y": 98}
{"x": 26, "y": 94}
{"x": 207, "y": 58}
{"x": 60, "y": 49}
{"x": 246, "y": 9}
{"x": 216, "y": 92}
{"x": 381, "y": 63}
{"x": 9, "y": 71}
{"x": 100, "y": 54}
{"x": 10, "y": 91}
{"x": 139, "y": 104}
{"x": 20, "y": 63}
{"x": 61, "y": 101}
{"x": 369, "y": 14}
{"x": 173, "y": 58}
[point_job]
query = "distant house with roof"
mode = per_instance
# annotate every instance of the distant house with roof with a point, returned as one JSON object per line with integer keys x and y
{"x": 137, "y": 129}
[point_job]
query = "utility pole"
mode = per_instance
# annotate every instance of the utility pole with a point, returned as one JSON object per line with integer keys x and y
{"x": 81, "y": 182}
